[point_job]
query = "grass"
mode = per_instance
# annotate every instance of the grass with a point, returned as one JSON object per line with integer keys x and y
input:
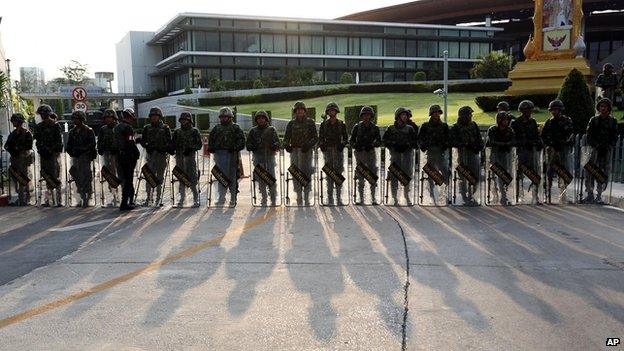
{"x": 387, "y": 103}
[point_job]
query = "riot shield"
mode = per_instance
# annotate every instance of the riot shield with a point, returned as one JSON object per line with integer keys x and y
{"x": 266, "y": 178}
{"x": 185, "y": 176}
{"x": 109, "y": 183}
{"x": 333, "y": 175}
{"x": 154, "y": 174}
{"x": 20, "y": 173}
{"x": 529, "y": 177}
{"x": 366, "y": 175}
{"x": 559, "y": 180}
{"x": 399, "y": 183}
{"x": 466, "y": 177}
{"x": 81, "y": 182}
{"x": 51, "y": 180}
{"x": 300, "y": 178}
{"x": 223, "y": 179}
{"x": 595, "y": 169}
{"x": 434, "y": 178}
{"x": 500, "y": 176}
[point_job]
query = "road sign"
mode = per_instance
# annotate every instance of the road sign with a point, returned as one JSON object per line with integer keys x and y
{"x": 81, "y": 106}
{"x": 79, "y": 94}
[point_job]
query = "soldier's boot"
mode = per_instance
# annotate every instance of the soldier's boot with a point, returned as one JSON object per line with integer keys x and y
{"x": 263, "y": 195}
{"x": 589, "y": 198}
{"x": 195, "y": 196}
{"x": 115, "y": 197}
{"x": 599, "y": 200}
{"x": 339, "y": 196}
{"x": 148, "y": 199}
{"x": 182, "y": 198}
{"x": 330, "y": 198}
{"x": 534, "y": 196}
{"x": 406, "y": 193}
{"x": 84, "y": 200}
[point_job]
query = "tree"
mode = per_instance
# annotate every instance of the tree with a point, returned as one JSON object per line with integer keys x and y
{"x": 493, "y": 65}
{"x": 188, "y": 90}
{"x": 577, "y": 100}
{"x": 297, "y": 76}
{"x": 347, "y": 78}
{"x": 420, "y": 76}
{"x": 258, "y": 84}
{"x": 4, "y": 89}
{"x": 75, "y": 72}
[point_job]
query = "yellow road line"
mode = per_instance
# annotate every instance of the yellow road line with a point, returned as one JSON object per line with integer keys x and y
{"x": 128, "y": 276}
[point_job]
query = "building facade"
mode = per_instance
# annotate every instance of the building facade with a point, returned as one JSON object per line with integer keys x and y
{"x": 195, "y": 48}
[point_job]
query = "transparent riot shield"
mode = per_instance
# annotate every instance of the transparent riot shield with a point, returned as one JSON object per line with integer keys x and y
{"x": 529, "y": 189}
{"x": 300, "y": 178}
{"x": 467, "y": 187}
{"x": 559, "y": 180}
{"x": 19, "y": 175}
{"x": 108, "y": 181}
{"x": 333, "y": 175}
{"x": 500, "y": 176}
{"x": 153, "y": 175}
{"x": 399, "y": 182}
{"x": 184, "y": 178}
{"x": 366, "y": 175}
{"x": 595, "y": 170}
{"x": 81, "y": 182}
{"x": 223, "y": 179}
{"x": 267, "y": 177}
{"x": 434, "y": 178}
{"x": 51, "y": 180}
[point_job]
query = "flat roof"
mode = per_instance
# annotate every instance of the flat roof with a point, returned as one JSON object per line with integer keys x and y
{"x": 172, "y": 27}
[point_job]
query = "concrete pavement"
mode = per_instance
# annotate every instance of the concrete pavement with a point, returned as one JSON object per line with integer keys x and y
{"x": 312, "y": 279}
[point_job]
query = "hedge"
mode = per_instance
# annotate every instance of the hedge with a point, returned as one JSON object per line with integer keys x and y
{"x": 170, "y": 121}
{"x": 202, "y": 121}
{"x": 353, "y": 89}
{"x": 488, "y": 103}
{"x": 352, "y": 116}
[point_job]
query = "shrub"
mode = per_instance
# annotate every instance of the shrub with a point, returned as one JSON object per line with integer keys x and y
{"x": 257, "y": 84}
{"x": 203, "y": 121}
{"x": 420, "y": 76}
{"x": 347, "y": 78}
{"x": 493, "y": 65}
{"x": 577, "y": 100}
{"x": 352, "y": 116}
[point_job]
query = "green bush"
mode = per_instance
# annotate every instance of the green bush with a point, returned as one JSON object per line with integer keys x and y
{"x": 203, "y": 121}
{"x": 492, "y": 65}
{"x": 347, "y": 78}
{"x": 488, "y": 103}
{"x": 352, "y": 116}
{"x": 420, "y": 76}
{"x": 188, "y": 90}
{"x": 257, "y": 84}
{"x": 577, "y": 100}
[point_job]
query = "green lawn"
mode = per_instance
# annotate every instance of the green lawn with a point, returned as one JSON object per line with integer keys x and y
{"x": 387, "y": 103}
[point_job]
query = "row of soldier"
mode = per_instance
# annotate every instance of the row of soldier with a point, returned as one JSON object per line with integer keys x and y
{"x": 117, "y": 147}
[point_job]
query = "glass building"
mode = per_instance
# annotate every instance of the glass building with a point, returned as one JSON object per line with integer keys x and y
{"x": 198, "y": 47}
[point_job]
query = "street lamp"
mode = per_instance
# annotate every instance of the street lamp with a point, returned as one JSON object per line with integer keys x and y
{"x": 444, "y": 92}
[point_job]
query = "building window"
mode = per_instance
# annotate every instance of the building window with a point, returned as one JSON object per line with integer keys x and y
{"x": 464, "y": 50}
{"x": 317, "y": 45}
{"x": 273, "y": 62}
{"x": 273, "y": 25}
{"x": 412, "y": 49}
{"x": 246, "y": 24}
{"x": 305, "y": 44}
{"x": 227, "y": 42}
{"x": 330, "y": 45}
{"x": 428, "y": 49}
{"x": 395, "y": 47}
{"x": 292, "y": 42}
{"x": 342, "y": 46}
{"x": 227, "y": 74}
{"x": 354, "y": 46}
{"x": 246, "y": 42}
{"x": 205, "y": 22}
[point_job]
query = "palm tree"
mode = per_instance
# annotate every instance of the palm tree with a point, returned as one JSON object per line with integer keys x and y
{"x": 4, "y": 90}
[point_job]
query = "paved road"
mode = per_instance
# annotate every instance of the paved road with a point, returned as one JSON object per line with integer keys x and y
{"x": 524, "y": 278}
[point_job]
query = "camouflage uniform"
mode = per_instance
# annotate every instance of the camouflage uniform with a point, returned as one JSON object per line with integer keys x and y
{"x": 529, "y": 145}
{"x": 365, "y": 137}
{"x": 300, "y": 139}
{"x": 81, "y": 148}
{"x": 186, "y": 141}
{"x": 19, "y": 145}
{"x": 49, "y": 142}
{"x": 127, "y": 160}
{"x": 107, "y": 149}
{"x": 226, "y": 141}
{"x": 608, "y": 81}
{"x": 156, "y": 139}
{"x": 466, "y": 138}
{"x": 602, "y": 137}
{"x": 400, "y": 139}
{"x": 501, "y": 141}
{"x": 263, "y": 143}
{"x": 558, "y": 137}
{"x": 433, "y": 140}
{"x": 332, "y": 140}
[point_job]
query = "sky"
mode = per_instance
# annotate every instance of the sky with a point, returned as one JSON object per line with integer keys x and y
{"x": 48, "y": 34}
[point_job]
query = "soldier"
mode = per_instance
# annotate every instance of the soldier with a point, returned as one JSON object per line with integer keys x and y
{"x": 332, "y": 141}
{"x": 466, "y": 138}
{"x": 19, "y": 145}
{"x": 186, "y": 141}
{"x": 411, "y": 122}
{"x": 300, "y": 139}
{"x": 602, "y": 137}
{"x": 529, "y": 144}
{"x": 558, "y": 138}
{"x": 365, "y": 137}
{"x": 433, "y": 139}
{"x": 49, "y": 142}
{"x": 400, "y": 139}
{"x": 81, "y": 148}
{"x": 156, "y": 140}
{"x": 263, "y": 143}
{"x": 608, "y": 82}
{"x": 106, "y": 147}
{"x": 503, "y": 106}
{"x": 226, "y": 141}
{"x": 501, "y": 138}
{"x": 128, "y": 156}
